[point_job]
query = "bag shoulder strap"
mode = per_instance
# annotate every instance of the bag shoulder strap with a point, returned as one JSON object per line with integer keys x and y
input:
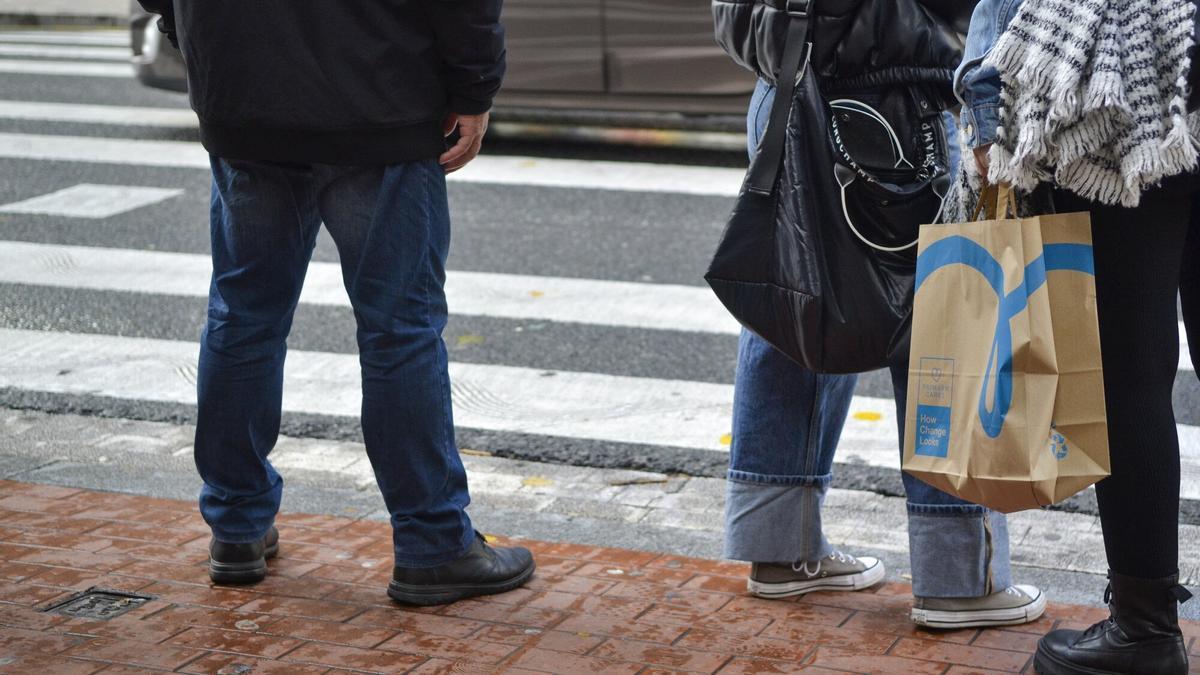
{"x": 796, "y": 55}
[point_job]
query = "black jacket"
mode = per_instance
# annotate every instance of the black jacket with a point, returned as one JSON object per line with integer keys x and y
{"x": 334, "y": 81}
{"x": 858, "y": 43}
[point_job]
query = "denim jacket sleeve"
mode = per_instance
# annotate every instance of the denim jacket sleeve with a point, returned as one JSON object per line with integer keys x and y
{"x": 978, "y": 87}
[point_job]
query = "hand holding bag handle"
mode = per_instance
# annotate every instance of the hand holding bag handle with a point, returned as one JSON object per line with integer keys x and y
{"x": 998, "y": 202}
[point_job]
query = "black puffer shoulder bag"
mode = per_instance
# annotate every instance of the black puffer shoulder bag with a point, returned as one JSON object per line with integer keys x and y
{"x": 818, "y": 257}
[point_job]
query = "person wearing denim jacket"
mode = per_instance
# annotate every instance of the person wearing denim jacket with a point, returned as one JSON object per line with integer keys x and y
{"x": 976, "y": 85}
{"x": 1140, "y": 271}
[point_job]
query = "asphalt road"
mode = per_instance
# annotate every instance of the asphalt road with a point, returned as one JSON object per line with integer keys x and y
{"x": 577, "y": 232}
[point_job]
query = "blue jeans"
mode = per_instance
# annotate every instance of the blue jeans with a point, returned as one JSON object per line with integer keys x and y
{"x": 391, "y": 225}
{"x": 786, "y": 425}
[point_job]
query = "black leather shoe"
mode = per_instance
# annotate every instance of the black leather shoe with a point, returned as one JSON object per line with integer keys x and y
{"x": 241, "y": 563}
{"x": 484, "y": 570}
{"x": 1141, "y": 636}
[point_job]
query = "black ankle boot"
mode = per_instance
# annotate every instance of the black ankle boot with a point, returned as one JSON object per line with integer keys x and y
{"x": 1141, "y": 636}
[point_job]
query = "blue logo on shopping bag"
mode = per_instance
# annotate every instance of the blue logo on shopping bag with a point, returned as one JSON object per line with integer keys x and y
{"x": 933, "y": 431}
{"x": 959, "y": 250}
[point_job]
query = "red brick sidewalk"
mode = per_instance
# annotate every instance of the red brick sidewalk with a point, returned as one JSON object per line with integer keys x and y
{"x": 324, "y": 609}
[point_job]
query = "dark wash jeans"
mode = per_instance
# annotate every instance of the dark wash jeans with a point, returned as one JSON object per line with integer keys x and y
{"x": 786, "y": 425}
{"x": 391, "y": 225}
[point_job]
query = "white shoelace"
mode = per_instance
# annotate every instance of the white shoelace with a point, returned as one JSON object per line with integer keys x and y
{"x": 802, "y": 565}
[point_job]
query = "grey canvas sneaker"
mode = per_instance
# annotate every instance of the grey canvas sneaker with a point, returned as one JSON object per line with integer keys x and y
{"x": 836, "y": 572}
{"x": 1013, "y": 606}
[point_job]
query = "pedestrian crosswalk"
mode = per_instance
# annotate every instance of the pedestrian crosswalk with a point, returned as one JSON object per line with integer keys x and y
{"x": 492, "y": 170}
{"x": 489, "y": 397}
{"x": 67, "y": 68}
{"x": 583, "y": 301}
{"x": 38, "y": 217}
{"x": 91, "y": 201}
{"x": 181, "y": 118}
{"x": 85, "y": 53}
{"x": 104, "y": 38}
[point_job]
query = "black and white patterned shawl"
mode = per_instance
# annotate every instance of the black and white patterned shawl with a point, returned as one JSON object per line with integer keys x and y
{"x": 1094, "y": 98}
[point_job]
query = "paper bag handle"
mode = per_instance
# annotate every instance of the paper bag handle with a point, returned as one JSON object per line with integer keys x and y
{"x": 997, "y": 197}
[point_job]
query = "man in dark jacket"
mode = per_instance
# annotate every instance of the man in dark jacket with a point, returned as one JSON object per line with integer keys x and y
{"x": 339, "y": 112}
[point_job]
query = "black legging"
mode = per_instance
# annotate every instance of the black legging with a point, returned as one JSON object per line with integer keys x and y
{"x": 1139, "y": 254}
{"x": 1189, "y": 286}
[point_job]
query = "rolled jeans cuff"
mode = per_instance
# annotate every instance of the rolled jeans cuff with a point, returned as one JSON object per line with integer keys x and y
{"x": 775, "y": 521}
{"x": 958, "y": 551}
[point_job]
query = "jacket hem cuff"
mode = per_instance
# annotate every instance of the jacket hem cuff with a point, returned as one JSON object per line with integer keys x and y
{"x": 346, "y": 147}
{"x": 466, "y": 106}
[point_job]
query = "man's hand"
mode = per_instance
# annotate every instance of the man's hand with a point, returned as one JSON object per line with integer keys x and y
{"x": 982, "y": 163}
{"x": 470, "y": 139}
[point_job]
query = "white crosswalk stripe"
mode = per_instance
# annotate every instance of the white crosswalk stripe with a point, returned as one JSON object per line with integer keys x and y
{"x": 587, "y": 301}
{"x": 112, "y": 38}
{"x": 1185, "y": 357}
{"x": 66, "y": 52}
{"x": 98, "y": 114}
{"x": 68, "y": 68}
{"x": 530, "y": 171}
{"x": 495, "y": 398}
{"x": 491, "y": 397}
{"x": 590, "y": 406}
{"x": 91, "y": 201}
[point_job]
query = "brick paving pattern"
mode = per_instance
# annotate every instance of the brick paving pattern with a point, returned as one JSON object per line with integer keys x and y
{"x": 324, "y": 610}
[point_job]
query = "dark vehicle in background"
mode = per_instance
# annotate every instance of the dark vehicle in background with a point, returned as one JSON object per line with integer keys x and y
{"x": 631, "y": 63}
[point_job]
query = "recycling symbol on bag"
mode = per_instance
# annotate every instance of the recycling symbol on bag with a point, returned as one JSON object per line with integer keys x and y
{"x": 959, "y": 250}
{"x": 1058, "y": 444}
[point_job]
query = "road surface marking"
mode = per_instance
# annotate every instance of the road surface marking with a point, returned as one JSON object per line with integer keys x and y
{"x": 602, "y": 175}
{"x": 507, "y": 296}
{"x": 691, "y": 309}
{"x": 113, "y": 38}
{"x": 99, "y": 114}
{"x": 68, "y": 68}
{"x": 1185, "y": 357}
{"x": 87, "y": 200}
{"x": 495, "y": 170}
{"x": 67, "y": 52}
{"x": 176, "y": 154}
{"x": 495, "y": 398}
{"x": 590, "y": 406}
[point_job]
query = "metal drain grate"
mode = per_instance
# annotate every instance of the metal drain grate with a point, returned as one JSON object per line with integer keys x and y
{"x": 99, "y": 604}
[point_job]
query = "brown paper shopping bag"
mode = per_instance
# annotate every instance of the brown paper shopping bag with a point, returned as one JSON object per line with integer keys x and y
{"x": 1006, "y": 390}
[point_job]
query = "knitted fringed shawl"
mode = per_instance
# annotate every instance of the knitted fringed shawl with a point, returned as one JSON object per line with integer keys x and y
{"x": 1094, "y": 99}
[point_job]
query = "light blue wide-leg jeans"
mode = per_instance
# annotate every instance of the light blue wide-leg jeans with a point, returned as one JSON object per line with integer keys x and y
{"x": 786, "y": 425}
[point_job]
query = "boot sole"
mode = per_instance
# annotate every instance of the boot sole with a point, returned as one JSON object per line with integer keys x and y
{"x": 990, "y": 618}
{"x": 1047, "y": 664}
{"x": 847, "y": 582}
{"x": 444, "y": 594}
{"x": 241, "y": 573}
